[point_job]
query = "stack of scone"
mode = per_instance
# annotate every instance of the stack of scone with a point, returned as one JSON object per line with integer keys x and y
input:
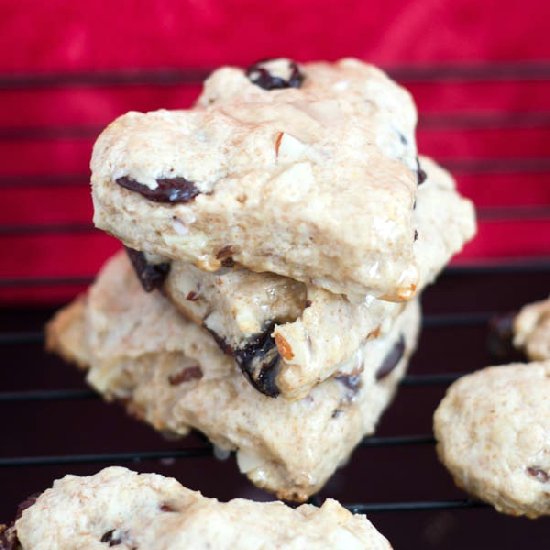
{"x": 277, "y": 235}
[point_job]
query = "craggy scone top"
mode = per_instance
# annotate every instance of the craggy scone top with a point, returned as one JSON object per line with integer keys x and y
{"x": 118, "y": 507}
{"x": 305, "y": 171}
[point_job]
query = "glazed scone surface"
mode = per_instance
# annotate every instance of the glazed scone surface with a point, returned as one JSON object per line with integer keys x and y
{"x": 315, "y": 183}
{"x": 118, "y": 507}
{"x": 532, "y": 330}
{"x": 493, "y": 433}
{"x": 237, "y": 304}
{"x": 172, "y": 374}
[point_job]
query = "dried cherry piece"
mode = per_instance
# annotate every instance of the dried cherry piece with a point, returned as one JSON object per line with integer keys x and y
{"x": 538, "y": 473}
{"x": 258, "y": 359}
{"x": 167, "y": 190}
{"x": 224, "y": 255}
{"x": 152, "y": 276}
{"x": 185, "y": 375}
{"x": 420, "y": 173}
{"x": 353, "y": 383}
{"x": 263, "y": 76}
{"x": 392, "y": 359}
{"x": 167, "y": 508}
{"x": 111, "y": 538}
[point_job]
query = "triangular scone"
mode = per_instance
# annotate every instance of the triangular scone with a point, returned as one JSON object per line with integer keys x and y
{"x": 171, "y": 373}
{"x": 315, "y": 182}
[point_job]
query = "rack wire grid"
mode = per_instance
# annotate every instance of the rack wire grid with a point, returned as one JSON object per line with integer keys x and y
{"x": 52, "y": 424}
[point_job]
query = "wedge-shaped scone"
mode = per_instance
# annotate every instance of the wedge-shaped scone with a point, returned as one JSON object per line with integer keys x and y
{"x": 532, "y": 330}
{"x": 287, "y": 336}
{"x": 118, "y": 507}
{"x": 493, "y": 433}
{"x": 314, "y": 180}
{"x": 171, "y": 373}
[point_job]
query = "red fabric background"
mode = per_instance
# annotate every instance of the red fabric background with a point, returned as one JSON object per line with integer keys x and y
{"x": 46, "y": 131}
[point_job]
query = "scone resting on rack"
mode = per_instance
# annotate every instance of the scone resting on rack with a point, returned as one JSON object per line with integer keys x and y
{"x": 493, "y": 433}
{"x": 310, "y": 173}
{"x": 118, "y": 507}
{"x": 287, "y": 336}
{"x": 531, "y": 329}
{"x": 170, "y": 372}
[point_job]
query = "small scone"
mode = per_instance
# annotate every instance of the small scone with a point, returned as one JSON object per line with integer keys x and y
{"x": 287, "y": 336}
{"x": 532, "y": 330}
{"x": 118, "y": 507}
{"x": 493, "y": 433}
{"x": 313, "y": 178}
{"x": 170, "y": 372}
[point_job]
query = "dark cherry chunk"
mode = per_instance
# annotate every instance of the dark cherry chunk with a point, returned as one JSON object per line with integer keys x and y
{"x": 224, "y": 255}
{"x": 112, "y": 538}
{"x": 192, "y": 296}
{"x": 167, "y": 190}
{"x": 167, "y": 508}
{"x": 185, "y": 375}
{"x": 263, "y": 76}
{"x": 392, "y": 359}
{"x": 222, "y": 343}
{"x": 421, "y": 174}
{"x": 258, "y": 359}
{"x": 352, "y": 384}
{"x": 539, "y": 474}
{"x": 152, "y": 276}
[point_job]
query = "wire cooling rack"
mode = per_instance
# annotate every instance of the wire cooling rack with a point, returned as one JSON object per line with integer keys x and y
{"x": 54, "y": 425}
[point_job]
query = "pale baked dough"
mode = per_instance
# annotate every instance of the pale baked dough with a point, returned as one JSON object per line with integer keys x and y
{"x": 316, "y": 184}
{"x": 120, "y": 508}
{"x": 493, "y": 433}
{"x": 170, "y": 372}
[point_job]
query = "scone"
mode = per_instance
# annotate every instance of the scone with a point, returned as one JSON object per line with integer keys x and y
{"x": 532, "y": 330}
{"x": 493, "y": 433}
{"x": 314, "y": 180}
{"x": 170, "y": 372}
{"x": 120, "y": 508}
{"x": 287, "y": 336}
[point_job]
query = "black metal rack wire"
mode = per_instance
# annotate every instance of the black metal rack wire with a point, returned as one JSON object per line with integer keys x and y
{"x": 43, "y": 401}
